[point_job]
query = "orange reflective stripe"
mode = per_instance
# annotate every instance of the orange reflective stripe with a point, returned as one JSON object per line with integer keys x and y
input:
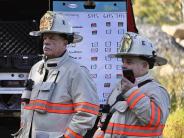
{"x": 88, "y": 104}
{"x": 62, "y": 108}
{"x": 132, "y": 95}
{"x": 152, "y": 114}
{"x": 159, "y": 117}
{"x": 49, "y": 110}
{"x": 135, "y": 126}
{"x": 99, "y": 136}
{"x": 136, "y": 100}
{"x": 136, "y": 133}
{"x": 72, "y": 133}
{"x": 27, "y": 107}
{"x": 133, "y": 130}
{"x": 50, "y": 107}
{"x": 52, "y": 104}
{"x": 87, "y": 107}
{"x": 155, "y": 115}
{"x": 66, "y": 136}
{"x": 85, "y": 110}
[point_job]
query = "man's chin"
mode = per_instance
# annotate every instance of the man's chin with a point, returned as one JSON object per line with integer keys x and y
{"x": 47, "y": 54}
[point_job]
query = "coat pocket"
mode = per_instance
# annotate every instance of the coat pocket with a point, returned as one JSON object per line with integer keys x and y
{"x": 46, "y": 91}
{"x": 47, "y": 86}
{"x": 45, "y": 95}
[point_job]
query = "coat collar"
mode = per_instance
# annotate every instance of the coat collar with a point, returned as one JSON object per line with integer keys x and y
{"x": 143, "y": 78}
{"x": 55, "y": 63}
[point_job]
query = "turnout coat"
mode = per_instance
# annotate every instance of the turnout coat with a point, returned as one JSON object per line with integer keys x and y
{"x": 142, "y": 113}
{"x": 66, "y": 103}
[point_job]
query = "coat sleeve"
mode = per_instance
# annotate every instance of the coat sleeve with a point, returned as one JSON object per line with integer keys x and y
{"x": 85, "y": 99}
{"x": 151, "y": 107}
{"x": 37, "y": 67}
{"x": 26, "y": 94}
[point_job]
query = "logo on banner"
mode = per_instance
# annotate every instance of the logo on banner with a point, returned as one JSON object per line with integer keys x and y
{"x": 121, "y": 31}
{"x": 93, "y": 25}
{"x": 94, "y": 76}
{"x": 118, "y": 67}
{"x": 94, "y": 44}
{"x": 108, "y": 24}
{"x": 107, "y": 76}
{"x": 107, "y": 49}
{"x": 94, "y": 32}
{"x": 107, "y": 84}
{"x": 109, "y": 31}
{"x": 108, "y": 44}
{"x": 94, "y": 50}
{"x": 94, "y": 58}
{"x": 108, "y": 66}
{"x": 94, "y": 66}
{"x": 120, "y": 24}
{"x": 118, "y": 76}
{"x": 107, "y": 58}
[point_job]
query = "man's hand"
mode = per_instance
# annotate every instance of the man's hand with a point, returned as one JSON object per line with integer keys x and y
{"x": 126, "y": 84}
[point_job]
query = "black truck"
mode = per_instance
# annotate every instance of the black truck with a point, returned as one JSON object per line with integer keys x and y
{"x": 18, "y": 50}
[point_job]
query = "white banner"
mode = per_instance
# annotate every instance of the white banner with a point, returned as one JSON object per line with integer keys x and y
{"x": 102, "y": 32}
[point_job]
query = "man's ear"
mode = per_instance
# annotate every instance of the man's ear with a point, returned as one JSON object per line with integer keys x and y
{"x": 145, "y": 65}
{"x": 66, "y": 42}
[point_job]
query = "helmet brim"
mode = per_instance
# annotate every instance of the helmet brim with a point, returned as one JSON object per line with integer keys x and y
{"x": 77, "y": 38}
{"x": 159, "y": 61}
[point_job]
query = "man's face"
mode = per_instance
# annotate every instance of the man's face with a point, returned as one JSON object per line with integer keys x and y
{"x": 139, "y": 66}
{"x": 53, "y": 45}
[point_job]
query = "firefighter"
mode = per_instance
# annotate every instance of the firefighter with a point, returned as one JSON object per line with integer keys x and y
{"x": 60, "y": 99}
{"x": 139, "y": 109}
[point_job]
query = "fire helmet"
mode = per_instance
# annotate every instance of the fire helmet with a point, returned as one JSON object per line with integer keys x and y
{"x": 56, "y": 22}
{"x": 136, "y": 45}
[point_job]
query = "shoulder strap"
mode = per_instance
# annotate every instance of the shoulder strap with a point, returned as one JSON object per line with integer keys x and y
{"x": 144, "y": 82}
{"x": 120, "y": 96}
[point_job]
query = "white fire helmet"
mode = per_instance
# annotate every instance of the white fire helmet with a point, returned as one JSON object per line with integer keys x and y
{"x": 133, "y": 44}
{"x": 56, "y": 22}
